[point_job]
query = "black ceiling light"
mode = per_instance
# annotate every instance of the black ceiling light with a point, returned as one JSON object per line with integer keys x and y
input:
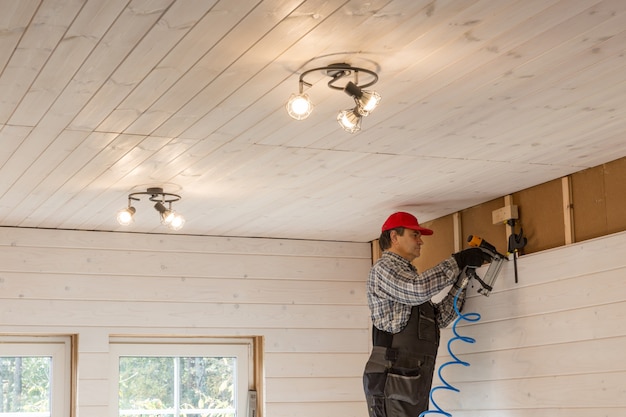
{"x": 169, "y": 217}
{"x": 300, "y": 106}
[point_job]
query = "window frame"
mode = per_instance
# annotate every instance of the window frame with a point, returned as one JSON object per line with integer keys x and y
{"x": 59, "y": 348}
{"x": 240, "y": 347}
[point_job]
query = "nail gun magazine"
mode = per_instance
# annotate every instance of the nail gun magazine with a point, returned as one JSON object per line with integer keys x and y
{"x": 497, "y": 260}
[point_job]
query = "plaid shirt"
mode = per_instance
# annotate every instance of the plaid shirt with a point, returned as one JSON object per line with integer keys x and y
{"x": 394, "y": 286}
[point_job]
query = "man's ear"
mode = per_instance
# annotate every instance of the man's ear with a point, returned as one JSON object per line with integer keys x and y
{"x": 393, "y": 236}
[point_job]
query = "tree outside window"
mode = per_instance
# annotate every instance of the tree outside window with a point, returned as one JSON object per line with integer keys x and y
{"x": 177, "y": 386}
{"x": 25, "y": 385}
{"x": 35, "y": 375}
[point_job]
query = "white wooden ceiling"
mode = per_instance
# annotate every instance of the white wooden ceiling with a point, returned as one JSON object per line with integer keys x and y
{"x": 480, "y": 98}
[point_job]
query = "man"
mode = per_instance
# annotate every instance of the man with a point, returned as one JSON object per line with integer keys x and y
{"x": 405, "y": 334}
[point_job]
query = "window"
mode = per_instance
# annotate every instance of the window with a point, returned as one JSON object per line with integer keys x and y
{"x": 35, "y": 376}
{"x": 181, "y": 377}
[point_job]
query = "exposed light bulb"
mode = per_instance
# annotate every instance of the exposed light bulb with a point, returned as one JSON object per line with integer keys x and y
{"x": 167, "y": 217}
{"x": 349, "y": 120}
{"x": 299, "y": 106}
{"x": 125, "y": 216}
{"x": 177, "y": 222}
{"x": 368, "y": 102}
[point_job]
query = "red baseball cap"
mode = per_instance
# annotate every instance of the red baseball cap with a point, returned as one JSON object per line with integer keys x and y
{"x": 406, "y": 220}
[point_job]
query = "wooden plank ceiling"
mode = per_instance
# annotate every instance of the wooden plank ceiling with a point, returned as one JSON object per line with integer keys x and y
{"x": 480, "y": 98}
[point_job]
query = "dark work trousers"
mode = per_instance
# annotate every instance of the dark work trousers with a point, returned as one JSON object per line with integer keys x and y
{"x": 399, "y": 373}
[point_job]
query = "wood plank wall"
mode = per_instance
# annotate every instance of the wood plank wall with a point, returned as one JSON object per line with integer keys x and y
{"x": 306, "y": 298}
{"x": 550, "y": 346}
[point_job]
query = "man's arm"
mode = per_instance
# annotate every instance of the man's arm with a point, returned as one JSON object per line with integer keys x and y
{"x": 407, "y": 286}
{"x": 445, "y": 308}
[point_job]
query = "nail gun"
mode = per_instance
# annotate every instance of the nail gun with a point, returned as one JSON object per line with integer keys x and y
{"x": 497, "y": 259}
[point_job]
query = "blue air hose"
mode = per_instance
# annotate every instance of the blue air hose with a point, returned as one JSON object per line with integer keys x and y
{"x": 470, "y": 317}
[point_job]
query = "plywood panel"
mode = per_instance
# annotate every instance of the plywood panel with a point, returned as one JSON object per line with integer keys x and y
{"x": 541, "y": 216}
{"x": 615, "y": 187}
{"x": 478, "y": 221}
{"x": 439, "y": 246}
{"x": 588, "y": 195}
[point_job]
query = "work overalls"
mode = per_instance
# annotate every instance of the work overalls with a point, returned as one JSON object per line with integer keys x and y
{"x": 399, "y": 373}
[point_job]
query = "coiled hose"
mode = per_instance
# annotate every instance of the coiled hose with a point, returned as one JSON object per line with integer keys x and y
{"x": 470, "y": 317}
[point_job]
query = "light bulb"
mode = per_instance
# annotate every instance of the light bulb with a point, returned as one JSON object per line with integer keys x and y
{"x": 125, "y": 216}
{"x": 167, "y": 217}
{"x": 299, "y": 106}
{"x": 368, "y": 102}
{"x": 349, "y": 120}
{"x": 177, "y": 222}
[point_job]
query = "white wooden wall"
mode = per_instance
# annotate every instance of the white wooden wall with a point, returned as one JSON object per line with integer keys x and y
{"x": 307, "y": 298}
{"x": 553, "y": 345}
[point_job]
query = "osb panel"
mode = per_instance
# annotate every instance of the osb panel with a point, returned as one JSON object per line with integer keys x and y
{"x": 541, "y": 216}
{"x": 478, "y": 221}
{"x": 438, "y": 246}
{"x": 588, "y": 198}
{"x": 615, "y": 187}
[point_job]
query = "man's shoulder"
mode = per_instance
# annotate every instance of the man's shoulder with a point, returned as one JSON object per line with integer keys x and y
{"x": 386, "y": 260}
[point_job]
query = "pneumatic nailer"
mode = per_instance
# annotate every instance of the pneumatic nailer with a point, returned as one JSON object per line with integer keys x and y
{"x": 497, "y": 259}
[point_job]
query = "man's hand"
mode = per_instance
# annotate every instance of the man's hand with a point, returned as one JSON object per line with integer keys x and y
{"x": 472, "y": 257}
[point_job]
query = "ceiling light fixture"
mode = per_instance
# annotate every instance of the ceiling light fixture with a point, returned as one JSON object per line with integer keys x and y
{"x": 300, "y": 106}
{"x": 350, "y": 120}
{"x": 169, "y": 217}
